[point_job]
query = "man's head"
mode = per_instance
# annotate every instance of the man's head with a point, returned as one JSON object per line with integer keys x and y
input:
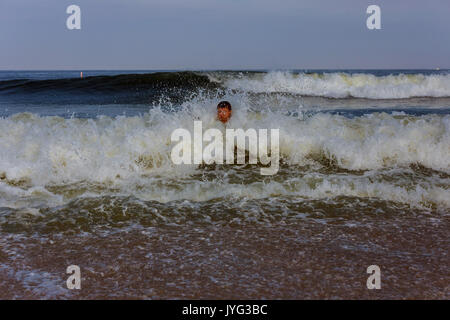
{"x": 224, "y": 111}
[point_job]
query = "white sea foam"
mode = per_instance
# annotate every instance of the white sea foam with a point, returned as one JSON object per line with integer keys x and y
{"x": 342, "y": 85}
{"x": 131, "y": 156}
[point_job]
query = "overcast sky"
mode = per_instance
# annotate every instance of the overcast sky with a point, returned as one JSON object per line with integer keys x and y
{"x": 224, "y": 34}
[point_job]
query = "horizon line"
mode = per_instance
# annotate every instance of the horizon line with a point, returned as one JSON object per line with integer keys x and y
{"x": 221, "y": 69}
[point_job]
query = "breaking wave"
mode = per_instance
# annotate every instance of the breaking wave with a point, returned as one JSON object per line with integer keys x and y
{"x": 340, "y": 84}
{"x": 326, "y": 84}
{"x": 52, "y": 159}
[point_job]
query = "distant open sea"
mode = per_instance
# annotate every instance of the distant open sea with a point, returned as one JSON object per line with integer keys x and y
{"x": 86, "y": 179}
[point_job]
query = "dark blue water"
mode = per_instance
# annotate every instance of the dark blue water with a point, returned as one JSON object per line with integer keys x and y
{"x": 66, "y": 74}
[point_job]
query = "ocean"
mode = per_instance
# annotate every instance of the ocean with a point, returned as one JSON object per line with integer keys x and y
{"x": 86, "y": 179}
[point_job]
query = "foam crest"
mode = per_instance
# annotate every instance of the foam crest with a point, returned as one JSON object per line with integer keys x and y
{"x": 342, "y": 85}
{"x": 370, "y": 142}
{"x": 56, "y": 150}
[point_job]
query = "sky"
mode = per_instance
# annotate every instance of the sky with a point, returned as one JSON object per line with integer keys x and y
{"x": 224, "y": 34}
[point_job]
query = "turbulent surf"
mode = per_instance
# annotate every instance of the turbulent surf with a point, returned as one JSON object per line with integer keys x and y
{"x": 81, "y": 159}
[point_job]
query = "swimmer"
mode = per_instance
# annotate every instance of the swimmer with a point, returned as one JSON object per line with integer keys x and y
{"x": 224, "y": 111}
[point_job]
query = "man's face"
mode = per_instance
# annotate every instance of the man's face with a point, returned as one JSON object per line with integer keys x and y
{"x": 223, "y": 114}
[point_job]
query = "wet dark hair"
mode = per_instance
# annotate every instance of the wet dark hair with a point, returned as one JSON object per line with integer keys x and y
{"x": 224, "y": 104}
